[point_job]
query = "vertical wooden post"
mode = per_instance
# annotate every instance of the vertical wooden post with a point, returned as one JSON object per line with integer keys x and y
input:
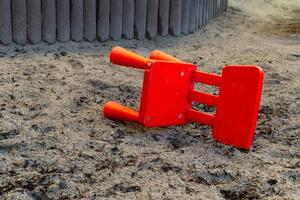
{"x": 128, "y": 19}
{"x": 103, "y": 21}
{"x": 77, "y": 20}
{"x": 19, "y": 21}
{"x": 222, "y": 6}
{"x": 34, "y": 11}
{"x": 89, "y": 20}
{"x": 192, "y": 21}
{"x": 63, "y": 20}
{"x": 175, "y": 17}
{"x": 163, "y": 17}
{"x": 216, "y": 9}
{"x": 5, "y": 22}
{"x": 200, "y": 21}
{"x": 211, "y": 8}
{"x": 219, "y": 7}
{"x": 140, "y": 19}
{"x": 152, "y": 19}
{"x": 185, "y": 17}
{"x": 49, "y": 21}
{"x": 206, "y": 11}
{"x": 197, "y": 14}
{"x": 116, "y": 9}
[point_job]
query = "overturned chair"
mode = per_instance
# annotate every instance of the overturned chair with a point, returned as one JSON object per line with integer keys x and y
{"x": 168, "y": 93}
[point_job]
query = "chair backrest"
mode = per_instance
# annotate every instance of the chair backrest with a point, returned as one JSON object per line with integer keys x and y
{"x": 238, "y": 105}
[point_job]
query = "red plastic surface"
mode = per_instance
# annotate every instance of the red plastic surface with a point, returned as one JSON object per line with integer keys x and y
{"x": 168, "y": 92}
{"x": 123, "y": 57}
{"x": 239, "y": 101}
{"x": 165, "y": 91}
{"x": 166, "y": 87}
{"x": 119, "y": 112}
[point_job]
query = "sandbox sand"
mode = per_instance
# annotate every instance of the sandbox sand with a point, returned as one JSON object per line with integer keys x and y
{"x": 54, "y": 144}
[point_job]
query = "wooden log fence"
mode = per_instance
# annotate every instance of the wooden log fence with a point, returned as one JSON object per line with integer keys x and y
{"x": 33, "y": 21}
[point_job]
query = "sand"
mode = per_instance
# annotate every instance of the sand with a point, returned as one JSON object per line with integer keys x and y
{"x": 55, "y": 144}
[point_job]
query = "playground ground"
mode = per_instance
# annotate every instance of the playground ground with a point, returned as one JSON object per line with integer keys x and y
{"x": 55, "y": 144}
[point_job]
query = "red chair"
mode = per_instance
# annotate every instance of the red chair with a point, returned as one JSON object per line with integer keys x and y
{"x": 168, "y": 93}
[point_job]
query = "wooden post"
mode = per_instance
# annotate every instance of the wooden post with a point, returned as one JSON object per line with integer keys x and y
{"x": 128, "y": 19}
{"x": 103, "y": 20}
{"x": 49, "y": 21}
{"x": 116, "y": 9}
{"x": 192, "y": 21}
{"x": 197, "y": 14}
{"x": 185, "y": 16}
{"x": 215, "y": 8}
{"x": 218, "y": 8}
{"x": 89, "y": 20}
{"x": 140, "y": 19}
{"x": 163, "y": 17}
{"x": 152, "y": 19}
{"x": 211, "y": 10}
{"x": 63, "y": 20}
{"x": 203, "y": 12}
{"x": 77, "y": 20}
{"x": 200, "y": 21}
{"x": 206, "y": 11}
{"x": 5, "y": 22}
{"x": 34, "y": 11}
{"x": 222, "y": 6}
{"x": 175, "y": 17}
{"x": 19, "y": 21}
